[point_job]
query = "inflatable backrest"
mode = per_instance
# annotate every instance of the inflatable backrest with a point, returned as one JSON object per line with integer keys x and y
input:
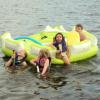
{"x": 48, "y": 34}
{"x": 72, "y": 38}
{"x": 59, "y": 28}
{"x": 3, "y": 38}
{"x": 13, "y": 44}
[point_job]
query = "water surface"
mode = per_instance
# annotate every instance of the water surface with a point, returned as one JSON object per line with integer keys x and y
{"x": 25, "y": 17}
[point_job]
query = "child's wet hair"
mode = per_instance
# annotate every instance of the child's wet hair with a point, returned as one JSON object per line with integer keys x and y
{"x": 59, "y": 34}
{"x": 45, "y": 53}
{"x": 79, "y": 25}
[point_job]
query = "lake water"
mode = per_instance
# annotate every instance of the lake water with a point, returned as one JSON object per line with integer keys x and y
{"x": 26, "y": 17}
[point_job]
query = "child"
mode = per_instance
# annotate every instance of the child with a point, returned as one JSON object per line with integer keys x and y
{"x": 17, "y": 60}
{"x": 43, "y": 62}
{"x": 62, "y": 49}
{"x": 79, "y": 29}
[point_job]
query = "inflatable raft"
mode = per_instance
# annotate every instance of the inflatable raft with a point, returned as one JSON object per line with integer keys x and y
{"x": 32, "y": 44}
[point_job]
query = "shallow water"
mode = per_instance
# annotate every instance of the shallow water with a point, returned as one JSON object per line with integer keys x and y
{"x": 81, "y": 80}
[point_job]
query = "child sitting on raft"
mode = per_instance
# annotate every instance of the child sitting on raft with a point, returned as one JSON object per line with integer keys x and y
{"x": 17, "y": 60}
{"x": 79, "y": 29}
{"x": 42, "y": 62}
{"x": 62, "y": 49}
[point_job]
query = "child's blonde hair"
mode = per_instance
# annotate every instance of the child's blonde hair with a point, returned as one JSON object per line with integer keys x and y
{"x": 44, "y": 53}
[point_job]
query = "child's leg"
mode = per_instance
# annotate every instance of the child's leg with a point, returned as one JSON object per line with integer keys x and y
{"x": 58, "y": 55}
{"x": 66, "y": 60}
{"x": 68, "y": 52}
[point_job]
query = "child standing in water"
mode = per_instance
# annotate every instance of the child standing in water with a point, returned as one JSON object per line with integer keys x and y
{"x": 62, "y": 49}
{"x": 79, "y": 29}
{"x": 42, "y": 62}
{"x": 17, "y": 60}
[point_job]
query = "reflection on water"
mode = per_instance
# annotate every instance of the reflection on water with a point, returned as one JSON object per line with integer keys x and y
{"x": 79, "y": 81}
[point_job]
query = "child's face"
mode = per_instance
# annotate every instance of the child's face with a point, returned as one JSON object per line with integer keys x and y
{"x": 21, "y": 52}
{"x": 78, "y": 29}
{"x": 59, "y": 38}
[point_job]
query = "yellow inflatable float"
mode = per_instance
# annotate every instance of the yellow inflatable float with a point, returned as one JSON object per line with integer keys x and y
{"x": 32, "y": 44}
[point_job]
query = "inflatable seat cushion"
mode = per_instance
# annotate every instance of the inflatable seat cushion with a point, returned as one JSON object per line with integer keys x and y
{"x": 72, "y": 38}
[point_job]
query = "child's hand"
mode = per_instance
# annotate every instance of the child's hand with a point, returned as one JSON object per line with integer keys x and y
{"x": 58, "y": 51}
{"x": 13, "y": 56}
{"x": 43, "y": 76}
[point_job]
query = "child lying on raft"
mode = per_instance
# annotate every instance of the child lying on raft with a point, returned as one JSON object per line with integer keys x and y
{"x": 79, "y": 29}
{"x": 42, "y": 62}
{"x": 17, "y": 60}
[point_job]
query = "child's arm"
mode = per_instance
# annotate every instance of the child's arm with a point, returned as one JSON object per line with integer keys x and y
{"x": 46, "y": 65}
{"x": 13, "y": 55}
{"x": 50, "y": 45}
{"x": 33, "y": 61}
{"x": 8, "y": 63}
